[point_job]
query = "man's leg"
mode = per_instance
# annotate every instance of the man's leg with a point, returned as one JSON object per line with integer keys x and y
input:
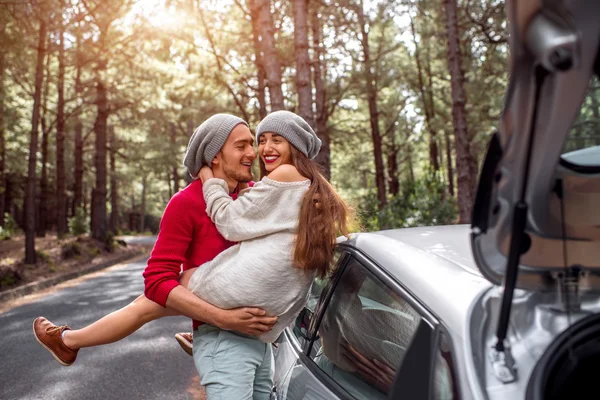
{"x": 263, "y": 381}
{"x": 226, "y": 362}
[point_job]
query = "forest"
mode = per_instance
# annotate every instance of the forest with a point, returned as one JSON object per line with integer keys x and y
{"x": 98, "y": 99}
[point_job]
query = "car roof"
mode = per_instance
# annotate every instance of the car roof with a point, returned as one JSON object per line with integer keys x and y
{"x": 434, "y": 264}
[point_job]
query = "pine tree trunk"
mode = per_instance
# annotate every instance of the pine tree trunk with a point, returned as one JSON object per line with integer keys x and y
{"x": 433, "y": 148}
{"x": 266, "y": 27}
{"x": 78, "y": 187}
{"x": 464, "y": 160}
{"x": 42, "y": 201}
{"x": 61, "y": 215}
{"x": 143, "y": 205}
{"x": 30, "y": 256}
{"x": 8, "y": 195}
{"x": 42, "y": 220}
{"x": 393, "y": 170}
{"x": 373, "y": 110}
{"x": 173, "y": 135}
{"x": 449, "y": 165}
{"x": 324, "y": 156}
{"x": 260, "y": 68}
{"x": 303, "y": 78}
{"x": 114, "y": 194}
{"x": 190, "y": 131}
{"x": 99, "y": 225}
{"x": 169, "y": 176}
{"x": 3, "y": 180}
{"x": 411, "y": 172}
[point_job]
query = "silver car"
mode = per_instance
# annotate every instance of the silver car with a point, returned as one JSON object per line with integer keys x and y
{"x": 507, "y": 308}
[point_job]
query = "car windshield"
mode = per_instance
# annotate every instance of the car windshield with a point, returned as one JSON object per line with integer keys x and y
{"x": 582, "y": 147}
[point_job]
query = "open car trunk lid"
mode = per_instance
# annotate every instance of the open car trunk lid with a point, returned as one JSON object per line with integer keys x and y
{"x": 546, "y": 154}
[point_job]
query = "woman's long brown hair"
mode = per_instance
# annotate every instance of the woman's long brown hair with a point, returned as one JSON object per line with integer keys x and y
{"x": 323, "y": 217}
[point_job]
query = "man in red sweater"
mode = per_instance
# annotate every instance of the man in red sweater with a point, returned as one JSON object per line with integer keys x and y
{"x": 189, "y": 238}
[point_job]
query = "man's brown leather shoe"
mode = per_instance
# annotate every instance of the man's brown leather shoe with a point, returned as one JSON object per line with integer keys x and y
{"x": 185, "y": 340}
{"x": 50, "y": 337}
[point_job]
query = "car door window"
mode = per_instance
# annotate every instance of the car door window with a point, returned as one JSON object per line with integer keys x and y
{"x": 304, "y": 319}
{"x": 364, "y": 333}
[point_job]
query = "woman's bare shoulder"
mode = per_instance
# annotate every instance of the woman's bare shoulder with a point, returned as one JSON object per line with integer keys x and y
{"x": 286, "y": 173}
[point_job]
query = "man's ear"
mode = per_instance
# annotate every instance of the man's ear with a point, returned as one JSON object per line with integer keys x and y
{"x": 216, "y": 159}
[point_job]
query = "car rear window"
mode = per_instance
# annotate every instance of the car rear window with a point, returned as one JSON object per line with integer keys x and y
{"x": 582, "y": 146}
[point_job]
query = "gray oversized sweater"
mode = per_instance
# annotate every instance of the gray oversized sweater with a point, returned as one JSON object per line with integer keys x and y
{"x": 258, "y": 271}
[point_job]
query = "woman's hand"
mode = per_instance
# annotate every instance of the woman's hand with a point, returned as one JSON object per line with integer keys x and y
{"x": 205, "y": 173}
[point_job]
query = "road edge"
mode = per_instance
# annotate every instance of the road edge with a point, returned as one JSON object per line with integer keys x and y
{"x": 36, "y": 286}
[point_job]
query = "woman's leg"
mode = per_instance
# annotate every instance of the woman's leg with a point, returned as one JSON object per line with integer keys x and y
{"x": 121, "y": 323}
{"x": 117, "y": 325}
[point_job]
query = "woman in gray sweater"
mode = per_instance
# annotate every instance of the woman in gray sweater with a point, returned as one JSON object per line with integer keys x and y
{"x": 286, "y": 226}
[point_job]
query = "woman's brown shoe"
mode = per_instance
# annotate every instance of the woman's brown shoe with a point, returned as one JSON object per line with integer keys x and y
{"x": 186, "y": 341}
{"x": 50, "y": 337}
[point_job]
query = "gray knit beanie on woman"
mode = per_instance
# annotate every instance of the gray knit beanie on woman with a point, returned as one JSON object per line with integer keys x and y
{"x": 294, "y": 128}
{"x": 207, "y": 141}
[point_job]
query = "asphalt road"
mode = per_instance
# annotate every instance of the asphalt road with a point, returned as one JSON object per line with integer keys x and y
{"x": 147, "y": 365}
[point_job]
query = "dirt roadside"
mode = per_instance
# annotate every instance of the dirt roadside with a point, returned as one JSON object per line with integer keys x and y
{"x": 59, "y": 260}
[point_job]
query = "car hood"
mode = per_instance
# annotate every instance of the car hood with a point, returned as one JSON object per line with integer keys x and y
{"x": 554, "y": 57}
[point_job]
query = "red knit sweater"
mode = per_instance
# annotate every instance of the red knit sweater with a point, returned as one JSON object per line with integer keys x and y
{"x": 187, "y": 238}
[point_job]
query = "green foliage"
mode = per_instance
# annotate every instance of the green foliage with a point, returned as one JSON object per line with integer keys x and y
{"x": 79, "y": 224}
{"x": 10, "y": 227}
{"x": 9, "y": 276}
{"x": 419, "y": 203}
{"x": 71, "y": 250}
{"x": 164, "y": 80}
{"x": 42, "y": 256}
{"x": 109, "y": 242}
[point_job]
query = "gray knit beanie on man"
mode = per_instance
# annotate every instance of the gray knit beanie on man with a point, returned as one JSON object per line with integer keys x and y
{"x": 207, "y": 141}
{"x": 294, "y": 128}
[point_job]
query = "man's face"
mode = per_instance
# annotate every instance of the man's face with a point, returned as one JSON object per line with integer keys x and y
{"x": 236, "y": 156}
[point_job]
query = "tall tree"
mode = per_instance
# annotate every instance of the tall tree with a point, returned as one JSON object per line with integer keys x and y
{"x": 303, "y": 76}
{"x": 464, "y": 159}
{"x": 373, "y": 110}
{"x": 114, "y": 192}
{"x": 78, "y": 142}
{"x": 3, "y": 182}
{"x": 261, "y": 75}
{"x": 173, "y": 135}
{"x": 61, "y": 210}
{"x": 29, "y": 212}
{"x": 143, "y": 204}
{"x": 272, "y": 64}
{"x": 426, "y": 102}
{"x": 449, "y": 164}
{"x": 98, "y": 220}
{"x": 219, "y": 73}
{"x": 43, "y": 203}
{"x": 324, "y": 156}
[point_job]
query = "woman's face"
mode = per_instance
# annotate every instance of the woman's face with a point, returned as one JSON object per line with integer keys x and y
{"x": 274, "y": 150}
